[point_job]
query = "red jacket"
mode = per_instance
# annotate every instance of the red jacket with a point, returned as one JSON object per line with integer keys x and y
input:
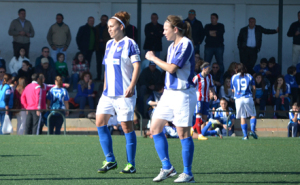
{"x": 31, "y": 96}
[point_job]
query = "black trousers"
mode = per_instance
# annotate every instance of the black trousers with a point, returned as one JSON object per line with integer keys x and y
{"x": 99, "y": 58}
{"x": 32, "y": 123}
{"x": 88, "y": 56}
{"x": 248, "y": 57}
{"x": 294, "y": 94}
{"x": 17, "y": 46}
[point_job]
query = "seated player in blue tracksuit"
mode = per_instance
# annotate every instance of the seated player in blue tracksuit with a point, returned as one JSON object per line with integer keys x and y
{"x": 294, "y": 121}
{"x": 262, "y": 67}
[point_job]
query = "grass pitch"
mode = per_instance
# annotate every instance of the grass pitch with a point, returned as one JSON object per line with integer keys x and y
{"x": 75, "y": 160}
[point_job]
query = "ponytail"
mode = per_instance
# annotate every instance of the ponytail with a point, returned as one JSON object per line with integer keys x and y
{"x": 40, "y": 80}
{"x": 6, "y": 78}
{"x": 183, "y": 27}
{"x": 242, "y": 69}
{"x": 59, "y": 81}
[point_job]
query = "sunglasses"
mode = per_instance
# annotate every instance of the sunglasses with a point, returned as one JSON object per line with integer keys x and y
{"x": 191, "y": 12}
{"x": 46, "y": 51}
{"x": 2, "y": 71}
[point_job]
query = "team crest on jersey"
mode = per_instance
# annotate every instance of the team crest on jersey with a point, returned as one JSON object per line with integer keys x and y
{"x": 119, "y": 49}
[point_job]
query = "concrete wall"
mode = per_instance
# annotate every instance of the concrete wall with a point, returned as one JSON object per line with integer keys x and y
{"x": 233, "y": 14}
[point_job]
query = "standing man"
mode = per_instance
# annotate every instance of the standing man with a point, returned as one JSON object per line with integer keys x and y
{"x": 197, "y": 30}
{"x": 86, "y": 39}
{"x": 154, "y": 33}
{"x": 249, "y": 43}
{"x": 214, "y": 42}
{"x": 102, "y": 36}
{"x": 294, "y": 32}
{"x": 21, "y": 30}
{"x": 59, "y": 37}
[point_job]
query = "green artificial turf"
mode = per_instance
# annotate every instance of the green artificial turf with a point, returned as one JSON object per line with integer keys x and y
{"x": 75, "y": 160}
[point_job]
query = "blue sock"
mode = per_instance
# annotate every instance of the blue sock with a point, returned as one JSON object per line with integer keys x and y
{"x": 211, "y": 133}
{"x": 244, "y": 129}
{"x": 187, "y": 154}
{"x": 253, "y": 124}
{"x": 161, "y": 146}
{"x": 205, "y": 129}
{"x": 106, "y": 143}
{"x": 131, "y": 147}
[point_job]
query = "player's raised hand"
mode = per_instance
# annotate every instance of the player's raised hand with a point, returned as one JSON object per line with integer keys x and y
{"x": 150, "y": 55}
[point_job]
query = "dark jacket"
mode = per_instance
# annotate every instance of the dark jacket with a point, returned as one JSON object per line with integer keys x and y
{"x": 132, "y": 32}
{"x": 259, "y": 30}
{"x": 217, "y": 77}
{"x": 153, "y": 41}
{"x": 83, "y": 37}
{"x": 149, "y": 78}
{"x": 214, "y": 41}
{"x": 197, "y": 31}
{"x": 295, "y": 26}
{"x": 26, "y": 74}
{"x": 49, "y": 74}
{"x": 39, "y": 59}
{"x": 101, "y": 33}
{"x": 2, "y": 63}
{"x": 275, "y": 72}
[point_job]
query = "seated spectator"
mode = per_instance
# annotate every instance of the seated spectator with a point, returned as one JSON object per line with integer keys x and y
{"x": 17, "y": 61}
{"x": 47, "y": 70}
{"x": 262, "y": 68}
{"x": 274, "y": 69}
{"x": 5, "y": 98}
{"x": 21, "y": 116}
{"x": 62, "y": 68}
{"x": 25, "y": 71}
{"x": 290, "y": 78}
{"x": 57, "y": 98}
{"x": 45, "y": 54}
{"x": 261, "y": 94}
{"x": 294, "y": 117}
{"x": 2, "y": 63}
{"x": 217, "y": 76}
{"x": 230, "y": 71}
{"x": 226, "y": 92}
{"x": 79, "y": 66}
{"x": 170, "y": 130}
{"x": 85, "y": 92}
{"x": 198, "y": 63}
{"x": 213, "y": 104}
{"x": 281, "y": 91}
{"x": 2, "y": 73}
{"x": 222, "y": 117}
{"x": 113, "y": 124}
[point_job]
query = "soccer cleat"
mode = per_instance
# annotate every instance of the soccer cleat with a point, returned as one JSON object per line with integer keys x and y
{"x": 185, "y": 178}
{"x": 192, "y": 131}
{"x": 201, "y": 137}
{"x": 163, "y": 174}
{"x": 245, "y": 138}
{"x": 219, "y": 132}
{"x": 108, "y": 166}
{"x": 253, "y": 134}
{"x": 129, "y": 169}
{"x": 214, "y": 122}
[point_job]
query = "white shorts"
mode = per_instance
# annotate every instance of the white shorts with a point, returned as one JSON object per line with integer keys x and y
{"x": 177, "y": 106}
{"x": 244, "y": 108}
{"x": 124, "y": 107}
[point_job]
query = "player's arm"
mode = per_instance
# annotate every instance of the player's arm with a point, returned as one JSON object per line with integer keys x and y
{"x": 253, "y": 91}
{"x": 135, "y": 75}
{"x": 171, "y": 68}
{"x": 232, "y": 123}
{"x": 104, "y": 82}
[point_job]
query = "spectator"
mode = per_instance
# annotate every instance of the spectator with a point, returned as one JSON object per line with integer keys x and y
{"x": 153, "y": 100}
{"x": 47, "y": 70}
{"x": 217, "y": 76}
{"x": 213, "y": 104}
{"x": 261, "y": 94}
{"x": 197, "y": 30}
{"x": 21, "y": 30}
{"x": 274, "y": 69}
{"x": 113, "y": 124}
{"x": 79, "y": 66}
{"x": 249, "y": 43}
{"x": 198, "y": 63}
{"x": 85, "y": 39}
{"x": 59, "y": 37}
{"x": 2, "y": 62}
{"x": 291, "y": 80}
{"x": 57, "y": 98}
{"x": 21, "y": 116}
{"x": 85, "y": 92}
{"x": 214, "y": 42}
{"x": 294, "y": 121}
{"x": 294, "y": 31}
{"x": 132, "y": 32}
{"x": 281, "y": 91}
{"x": 17, "y": 61}
{"x": 154, "y": 33}
{"x": 61, "y": 68}
{"x": 5, "y": 98}
{"x": 2, "y": 73}
{"x": 261, "y": 68}
{"x": 226, "y": 93}
{"x": 45, "y": 54}
{"x": 230, "y": 71}
{"x": 25, "y": 71}
{"x": 102, "y": 36}
{"x": 146, "y": 84}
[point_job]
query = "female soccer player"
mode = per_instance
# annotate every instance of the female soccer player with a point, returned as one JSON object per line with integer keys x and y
{"x": 241, "y": 84}
{"x": 178, "y": 101}
{"x": 122, "y": 65}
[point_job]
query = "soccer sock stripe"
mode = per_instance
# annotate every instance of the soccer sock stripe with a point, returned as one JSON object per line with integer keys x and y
{"x": 187, "y": 154}
{"x": 161, "y": 146}
{"x": 106, "y": 143}
{"x": 244, "y": 129}
{"x": 253, "y": 124}
{"x": 131, "y": 147}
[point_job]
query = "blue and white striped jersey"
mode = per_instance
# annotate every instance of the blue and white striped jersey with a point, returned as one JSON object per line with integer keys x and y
{"x": 242, "y": 85}
{"x": 222, "y": 117}
{"x": 57, "y": 97}
{"x": 183, "y": 56}
{"x": 292, "y": 115}
{"x": 118, "y": 61}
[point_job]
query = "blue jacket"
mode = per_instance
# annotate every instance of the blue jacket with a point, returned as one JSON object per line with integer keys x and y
{"x": 291, "y": 80}
{"x": 85, "y": 92}
{"x": 6, "y": 96}
{"x": 257, "y": 68}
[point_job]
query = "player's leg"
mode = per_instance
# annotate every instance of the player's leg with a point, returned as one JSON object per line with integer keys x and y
{"x": 206, "y": 132}
{"x": 244, "y": 128}
{"x": 241, "y": 114}
{"x": 197, "y": 119}
{"x": 204, "y": 112}
{"x": 250, "y": 109}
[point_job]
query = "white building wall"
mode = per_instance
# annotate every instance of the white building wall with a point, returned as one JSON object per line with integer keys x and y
{"x": 233, "y": 14}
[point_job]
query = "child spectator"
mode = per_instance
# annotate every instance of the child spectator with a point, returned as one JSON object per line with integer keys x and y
{"x": 294, "y": 117}
{"x": 113, "y": 124}
{"x": 226, "y": 92}
{"x": 281, "y": 91}
{"x": 5, "y": 98}
{"x": 85, "y": 92}
{"x": 261, "y": 94}
{"x": 21, "y": 116}
{"x": 17, "y": 61}
{"x": 57, "y": 98}
{"x": 79, "y": 65}
{"x": 62, "y": 68}
{"x": 274, "y": 71}
{"x": 261, "y": 68}
{"x": 291, "y": 80}
{"x": 25, "y": 71}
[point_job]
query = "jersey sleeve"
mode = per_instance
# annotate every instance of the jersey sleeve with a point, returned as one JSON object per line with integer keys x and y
{"x": 231, "y": 83}
{"x": 252, "y": 81}
{"x": 133, "y": 52}
{"x": 49, "y": 95}
{"x": 183, "y": 54}
{"x": 195, "y": 80}
{"x": 66, "y": 98}
{"x": 288, "y": 89}
{"x": 291, "y": 116}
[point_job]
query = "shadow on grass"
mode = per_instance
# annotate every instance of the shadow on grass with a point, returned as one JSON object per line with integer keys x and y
{"x": 18, "y": 175}
{"x": 259, "y": 173}
{"x": 19, "y": 155}
{"x": 83, "y": 178}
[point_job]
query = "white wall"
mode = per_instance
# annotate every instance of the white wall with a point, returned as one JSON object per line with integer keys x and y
{"x": 233, "y": 14}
